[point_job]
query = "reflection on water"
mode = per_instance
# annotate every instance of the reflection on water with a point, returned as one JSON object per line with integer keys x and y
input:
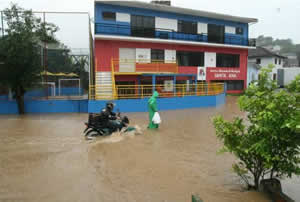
{"x": 46, "y": 158}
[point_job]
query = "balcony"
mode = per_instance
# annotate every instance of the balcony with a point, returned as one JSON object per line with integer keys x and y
{"x": 127, "y": 66}
{"x": 126, "y": 30}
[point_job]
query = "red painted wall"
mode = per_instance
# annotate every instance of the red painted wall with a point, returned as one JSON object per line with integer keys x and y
{"x": 107, "y": 49}
{"x": 187, "y": 70}
{"x": 127, "y": 78}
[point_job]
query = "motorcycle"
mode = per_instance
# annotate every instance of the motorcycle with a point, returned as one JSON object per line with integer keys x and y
{"x": 95, "y": 126}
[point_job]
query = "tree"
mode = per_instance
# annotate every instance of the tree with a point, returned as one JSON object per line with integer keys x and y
{"x": 59, "y": 59}
{"x": 80, "y": 70}
{"x": 267, "y": 143}
{"x": 20, "y": 50}
{"x": 264, "y": 41}
{"x": 298, "y": 53}
{"x": 294, "y": 87}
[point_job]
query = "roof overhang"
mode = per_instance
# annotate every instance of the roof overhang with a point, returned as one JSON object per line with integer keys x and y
{"x": 165, "y": 41}
{"x": 267, "y": 56}
{"x": 178, "y": 10}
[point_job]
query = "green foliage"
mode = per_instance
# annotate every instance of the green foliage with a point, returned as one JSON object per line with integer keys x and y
{"x": 20, "y": 51}
{"x": 294, "y": 86}
{"x": 268, "y": 143}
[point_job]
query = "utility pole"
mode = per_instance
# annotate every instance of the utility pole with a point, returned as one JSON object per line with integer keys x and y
{"x": 45, "y": 59}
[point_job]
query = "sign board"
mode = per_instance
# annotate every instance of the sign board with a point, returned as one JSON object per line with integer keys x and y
{"x": 201, "y": 74}
{"x": 168, "y": 85}
{"x": 224, "y": 74}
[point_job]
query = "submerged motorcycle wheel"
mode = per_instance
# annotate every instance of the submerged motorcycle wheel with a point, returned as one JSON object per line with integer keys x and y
{"x": 91, "y": 134}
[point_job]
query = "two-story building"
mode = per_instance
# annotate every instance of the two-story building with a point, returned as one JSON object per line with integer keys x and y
{"x": 263, "y": 57}
{"x": 163, "y": 46}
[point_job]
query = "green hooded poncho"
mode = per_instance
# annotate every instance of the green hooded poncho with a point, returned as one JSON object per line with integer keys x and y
{"x": 152, "y": 107}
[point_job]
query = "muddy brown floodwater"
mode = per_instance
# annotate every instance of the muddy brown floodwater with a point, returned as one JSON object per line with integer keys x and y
{"x": 46, "y": 158}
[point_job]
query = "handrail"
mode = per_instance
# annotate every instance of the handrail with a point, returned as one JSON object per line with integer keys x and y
{"x": 144, "y": 91}
{"x": 113, "y": 79}
{"x": 127, "y": 30}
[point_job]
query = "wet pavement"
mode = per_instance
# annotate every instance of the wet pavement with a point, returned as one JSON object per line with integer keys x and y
{"x": 46, "y": 158}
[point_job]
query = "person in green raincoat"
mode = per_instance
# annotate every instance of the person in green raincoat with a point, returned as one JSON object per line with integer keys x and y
{"x": 152, "y": 107}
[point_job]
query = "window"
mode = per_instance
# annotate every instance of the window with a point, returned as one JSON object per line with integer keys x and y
{"x": 239, "y": 30}
{"x": 235, "y": 85}
{"x": 142, "y": 26}
{"x": 275, "y": 61}
{"x": 186, "y": 58}
{"x": 258, "y": 61}
{"x": 228, "y": 60}
{"x": 157, "y": 55}
{"x": 274, "y": 77}
{"x": 279, "y": 61}
{"x": 187, "y": 27}
{"x": 109, "y": 16}
{"x": 216, "y": 33}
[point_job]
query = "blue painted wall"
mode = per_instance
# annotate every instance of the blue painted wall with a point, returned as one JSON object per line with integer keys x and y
{"x": 37, "y": 93}
{"x": 8, "y": 107}
{"x": 140, "y": 105}
{"x": 94, "y": 106}
{"x": 63, "y": 92}
{"x": 123, "y": 28}
{"x": 46, "y": 106}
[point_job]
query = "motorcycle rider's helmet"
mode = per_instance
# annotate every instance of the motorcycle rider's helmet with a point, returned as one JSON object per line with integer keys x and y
{"x": 110, "y": 105}
{"x": 125, "y": 120}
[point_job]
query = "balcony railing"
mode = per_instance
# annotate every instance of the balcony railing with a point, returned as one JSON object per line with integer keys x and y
{"x": 144, "y": 66}
{"x": 126, "y": 30}
{"x": 102, "y": 92}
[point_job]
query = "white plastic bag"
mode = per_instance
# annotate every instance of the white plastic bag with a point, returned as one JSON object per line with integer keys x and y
{"x": 156, "y": 118}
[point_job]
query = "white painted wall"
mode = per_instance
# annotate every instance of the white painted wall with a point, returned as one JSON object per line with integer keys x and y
{"x": 143, "y": 55}
{"x": 265, "y": 61}
{"x": 170, "y": 56}
{"x": 123, "y": 17}
{"x": 252, "y": 73}
{"x": 210, "y": 59}
{"x": 165, "y": 23}
{"x": 202, "y": 28}
{"x": 290, "y": 74}
{"x": 127, "y": 59}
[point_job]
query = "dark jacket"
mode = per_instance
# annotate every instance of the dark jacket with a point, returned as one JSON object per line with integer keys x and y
{"x": 106, "y": 115}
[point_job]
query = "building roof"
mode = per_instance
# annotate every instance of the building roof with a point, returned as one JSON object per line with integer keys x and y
{"x": 178, "y": 10}
{"x": 262, "y": 52}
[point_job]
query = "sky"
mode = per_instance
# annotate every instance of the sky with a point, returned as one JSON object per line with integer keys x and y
{"x": 277, "y": 18}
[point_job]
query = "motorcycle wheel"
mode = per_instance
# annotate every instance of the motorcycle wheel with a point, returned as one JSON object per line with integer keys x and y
{"x": 91, "y": 134}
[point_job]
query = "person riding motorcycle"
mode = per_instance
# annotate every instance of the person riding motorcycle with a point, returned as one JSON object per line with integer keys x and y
{"x": 111, "y": 120}
{"x": 107, "y": 112}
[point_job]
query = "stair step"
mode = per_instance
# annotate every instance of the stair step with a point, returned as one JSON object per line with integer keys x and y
{"x": 106, "y": 80}
{"x": 108, "y": 77}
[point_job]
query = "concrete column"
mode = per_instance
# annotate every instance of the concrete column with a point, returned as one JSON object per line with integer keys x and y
{"x": 10, "y": 95}
{"x": 174, "y": 85}
{"x": 196, "y": 86}
{"x": 153, "y": 83}
{"x": 139, "y": 85}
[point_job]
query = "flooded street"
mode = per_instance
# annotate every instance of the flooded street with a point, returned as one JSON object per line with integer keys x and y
{"x": 46, "y": 158}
